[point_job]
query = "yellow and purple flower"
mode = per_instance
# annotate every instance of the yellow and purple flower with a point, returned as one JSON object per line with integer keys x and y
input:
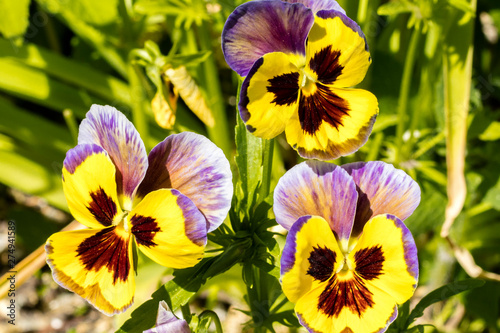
{"x": 300, "y": 60}
{"x": 348, "y": 258}
{"x": 163, "y": 204}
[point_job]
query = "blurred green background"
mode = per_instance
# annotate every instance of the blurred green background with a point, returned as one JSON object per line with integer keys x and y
{"x": 435, "y": 71}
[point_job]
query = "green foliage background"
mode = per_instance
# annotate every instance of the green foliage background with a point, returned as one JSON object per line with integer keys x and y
{"x": 435, "y": 72}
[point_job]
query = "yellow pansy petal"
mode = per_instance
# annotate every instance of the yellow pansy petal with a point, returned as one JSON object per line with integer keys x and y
{"x": 386, "y": 257}
{"x": 90, "y": 187}
{"x": 269, "y": 94}
{"x": 169, "y": 228}
{"x": 311, "y": 253}
{"x": 336, "y": 50}
{"x": 331, "y": 122}
{"x": 95, "y": 264}
{"x": 345, "y": 304}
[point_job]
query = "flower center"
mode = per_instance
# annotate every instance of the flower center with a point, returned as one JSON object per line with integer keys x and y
{"x": 308, "y": 83}
{"x": 123, "y": 221}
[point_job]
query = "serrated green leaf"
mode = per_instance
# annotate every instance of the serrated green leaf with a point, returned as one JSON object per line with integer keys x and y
{"x": 15, "y": 14}
{"x": 440, "y": 294}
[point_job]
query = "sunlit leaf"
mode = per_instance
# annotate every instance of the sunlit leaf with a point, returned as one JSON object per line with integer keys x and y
{"x": 492, "y": 132}
{"x": 108, "y": 87}
{"x": 397, "y": 7}
{"x": 14, "y": 21}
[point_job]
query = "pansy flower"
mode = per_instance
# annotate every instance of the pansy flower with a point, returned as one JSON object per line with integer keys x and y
{"x": 163, "y": 204}
{"x": 299, "y": 65}
{"x": 348, "y": 259}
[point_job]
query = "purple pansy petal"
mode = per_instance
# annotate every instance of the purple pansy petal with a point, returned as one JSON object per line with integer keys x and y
{"x": 196, "y": 167}
{"x": 317, "y": 5}
{"x": 288, "y": 254}
{"x": 317, "y": 188}
{"x": 411, "y": 257}
{"x": 259, "y": 27}
{"x": 382, "y": 189}
{"x": 110, "y": 129}
{"x": 167, "y": 322}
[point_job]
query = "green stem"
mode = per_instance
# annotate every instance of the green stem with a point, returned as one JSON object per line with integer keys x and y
{"x": 279, "y": 305}
{"x": 137, "y": 99}
{"x": 186, "y": 312}
{"x": 405, "y": 92}
{"x": 267, "y": 163}
{"x": 375, "y": 146}
{"x": 429, "y": 145}
{"x": 219, "y": 133}
{"x": 50, "y": 32}
{"x": 367, "y": 19}
{"x": 212, "y": 315}
{"x": 69, "y": 118}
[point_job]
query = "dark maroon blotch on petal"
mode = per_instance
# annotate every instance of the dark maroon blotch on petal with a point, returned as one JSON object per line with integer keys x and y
{"x": 102, "y": 207}
{"x": 326, "y": 65}
{"x": 321, "y": 263}
{"x": 322, "y": 105}
{"x": 369, "y": 262}
{"x": 144, "y": 229}
{"x": 285, "y": 88}
{"x": 106, "y": 249}
{"x": 351, "y": 294}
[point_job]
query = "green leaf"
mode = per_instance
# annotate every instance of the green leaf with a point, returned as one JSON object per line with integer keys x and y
{"x": 440, "y": 294}
{"x": 177, "y": 292}
{"x": 249, "y": 163}
{"x": 94, "y": 37}
{"x": 492, "y": 132}
{"x": 107, "y": 87}
{"x": 484, "y": 303}
{"x": 493, "y": 196}
{"x": 22, "y": 171}
{"x": 15, "y": 14}
{"x": 188, "y": 60}
{"x": 397, "y": 7}
{"x": 95, "y": 12}
{"x": 34, "y": 85}
{"x": 186, "y": 12}
{"x": 462, "y": 5}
